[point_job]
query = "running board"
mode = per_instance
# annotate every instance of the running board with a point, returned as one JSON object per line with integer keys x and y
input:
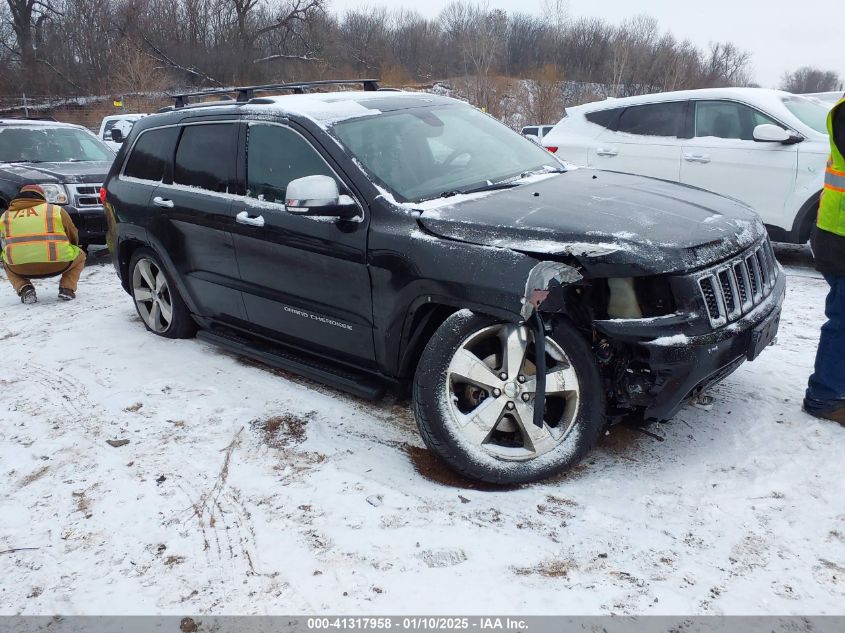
{"x": 357, "y": 383}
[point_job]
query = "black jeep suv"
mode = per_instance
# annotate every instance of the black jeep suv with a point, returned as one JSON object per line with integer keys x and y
{"x": 67, "y": 160}
{"x": 389, "y": 239}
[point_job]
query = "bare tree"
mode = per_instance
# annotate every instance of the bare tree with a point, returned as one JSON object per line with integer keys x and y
{"x": 507, "y": 63}
{"x": 556, "y": 15}
{"x": 545, "y": 95}
{"x": 278, "y": 27}
{"x": 28, "y": 19}
{"x": 809, "y": 79}
{"x": 416, "y": 44}
{"x": 727, "y": 65}
{"x": 478, "y": 34}
{"x": 135, "y": 71}
{"x": 364, "y": 34}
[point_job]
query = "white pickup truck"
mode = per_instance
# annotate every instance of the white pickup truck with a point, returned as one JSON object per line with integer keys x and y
{"x": 124, "y": 121}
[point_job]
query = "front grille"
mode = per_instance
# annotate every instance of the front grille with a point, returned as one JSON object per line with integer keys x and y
{"x": 734, "y": 288}
{"x": 85, "y": 196}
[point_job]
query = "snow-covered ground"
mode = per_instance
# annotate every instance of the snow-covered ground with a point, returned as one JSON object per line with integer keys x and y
{"x": 242, "y": 490}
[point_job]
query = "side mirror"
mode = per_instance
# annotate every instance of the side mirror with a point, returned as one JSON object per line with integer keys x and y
{"x": 319, "y": 196}
{"x": 769, "y": 133}
{"x": 117, "y": 135}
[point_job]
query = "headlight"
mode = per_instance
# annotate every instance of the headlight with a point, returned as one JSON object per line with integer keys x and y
{"x": 56, "y": 194}
{"x": 623, "y": 302}
{"x": 638, "y": 297}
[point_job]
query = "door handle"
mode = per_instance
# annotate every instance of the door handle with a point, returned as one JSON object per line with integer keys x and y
{"x": 697, "y": 158}
{"x": 244, "y": 218}
{"x": 606, "y": 151}
{"x": 163, "y": 202}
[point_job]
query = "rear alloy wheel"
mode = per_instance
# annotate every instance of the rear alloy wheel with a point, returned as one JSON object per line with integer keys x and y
{"x": 157, "y": 302}
{"x": 474, "y": 397}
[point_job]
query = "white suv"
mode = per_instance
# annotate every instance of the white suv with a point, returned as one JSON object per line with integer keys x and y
{"x": 763, "y": 147}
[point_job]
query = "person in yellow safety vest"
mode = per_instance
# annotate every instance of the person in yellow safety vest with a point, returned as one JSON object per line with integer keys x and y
{"x": 825, "y": 397}
{"x": 39, "y": 240}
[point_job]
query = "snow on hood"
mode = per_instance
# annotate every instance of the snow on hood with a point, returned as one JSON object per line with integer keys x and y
{"x": 614, "y": 224}
{"x": 429, "y": 207}
{"x": 68, "y": 172}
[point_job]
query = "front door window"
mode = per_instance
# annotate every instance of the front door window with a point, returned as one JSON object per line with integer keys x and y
{"x": 728, "y": 119}
{"x": 275, "y": 156}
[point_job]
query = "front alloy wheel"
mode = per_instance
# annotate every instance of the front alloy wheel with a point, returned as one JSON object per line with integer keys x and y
{"x": 492, "y": 382}
{"x": 474, "y": 395}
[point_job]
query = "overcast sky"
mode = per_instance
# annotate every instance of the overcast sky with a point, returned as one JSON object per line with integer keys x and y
{"x": 781, "y": 36}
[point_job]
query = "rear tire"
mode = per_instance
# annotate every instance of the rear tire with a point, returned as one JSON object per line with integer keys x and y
{"x": 481, "y": 424}
{"x": 157, "y": 300}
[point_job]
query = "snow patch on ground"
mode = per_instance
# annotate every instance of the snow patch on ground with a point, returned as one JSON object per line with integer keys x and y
{"x": 247, "y": 490}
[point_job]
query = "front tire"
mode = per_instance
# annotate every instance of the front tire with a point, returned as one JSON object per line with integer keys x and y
{"x": 157, "y": 300}
{"x": 473, "y": 399}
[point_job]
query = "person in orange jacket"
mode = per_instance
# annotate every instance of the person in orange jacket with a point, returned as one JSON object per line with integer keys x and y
{"x": 39, "y": 240}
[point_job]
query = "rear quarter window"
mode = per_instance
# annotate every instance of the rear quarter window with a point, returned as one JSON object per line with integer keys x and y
{"x": 151, "y": 154}
{"x": 604, "y": 118}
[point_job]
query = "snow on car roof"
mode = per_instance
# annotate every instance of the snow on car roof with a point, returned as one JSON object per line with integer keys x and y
{"x": 36, "y": 123}
{"x": 751, "y": 95}
{"x": 126, "y": 117}
{"x": 332, "y": 107}
{"x": 769, "y": 100}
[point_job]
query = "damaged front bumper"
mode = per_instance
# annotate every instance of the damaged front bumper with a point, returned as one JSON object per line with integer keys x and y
{"x": 677, "y": 360}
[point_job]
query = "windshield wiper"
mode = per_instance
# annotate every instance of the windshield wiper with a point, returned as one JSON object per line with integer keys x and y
{"x": 490, "y": 186}
{"x": 504, "y": 184}
{"x": 543, "y": 170}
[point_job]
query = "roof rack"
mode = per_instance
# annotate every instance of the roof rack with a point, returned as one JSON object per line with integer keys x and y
{"x": 245, "y": 93}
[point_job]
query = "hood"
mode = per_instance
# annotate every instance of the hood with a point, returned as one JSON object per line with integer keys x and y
{"x": 94, "y": 171}
{"x": 609, "y": 222}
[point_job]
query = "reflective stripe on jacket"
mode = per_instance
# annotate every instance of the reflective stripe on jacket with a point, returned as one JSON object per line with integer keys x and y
{"x": 34, "y": 235}
{"x": 832, "y": 205}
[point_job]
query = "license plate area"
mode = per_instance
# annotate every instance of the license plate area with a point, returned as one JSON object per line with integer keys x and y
{"x": 763, "y": 335}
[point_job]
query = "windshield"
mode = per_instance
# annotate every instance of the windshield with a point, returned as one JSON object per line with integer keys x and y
{"x": 50, "y": 145}
{"x": 424, "y": 153}
{"x": 810, "y": 112}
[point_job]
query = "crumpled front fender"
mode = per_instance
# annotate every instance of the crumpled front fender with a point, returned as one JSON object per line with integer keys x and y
{"x": 544, "y": 287}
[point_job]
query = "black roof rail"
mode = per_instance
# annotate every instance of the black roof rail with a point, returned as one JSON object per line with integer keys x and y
{"x": 245, "y": 93}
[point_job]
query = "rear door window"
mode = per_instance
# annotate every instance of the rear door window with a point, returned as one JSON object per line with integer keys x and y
{"x": 205, "y": 157}
{"x": 151, "y": 155}
{"x": 655, "y": 119}
{"x": 728, "y": 119}
{"x": 275, "y": 156}
{"x": 529, "y": 130}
